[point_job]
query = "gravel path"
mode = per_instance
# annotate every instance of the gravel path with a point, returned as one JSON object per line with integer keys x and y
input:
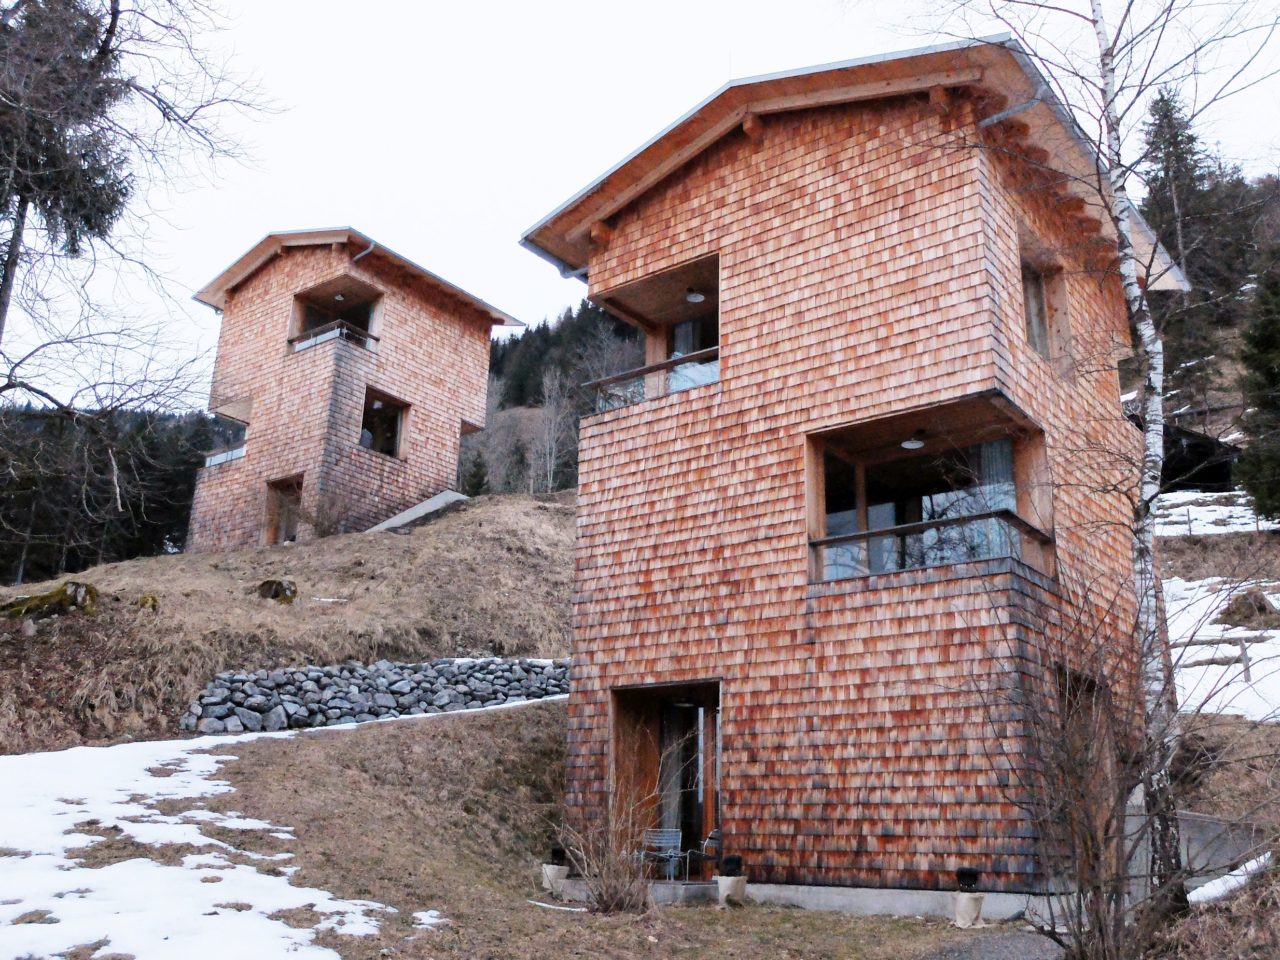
{"x": 1001, "y": 945}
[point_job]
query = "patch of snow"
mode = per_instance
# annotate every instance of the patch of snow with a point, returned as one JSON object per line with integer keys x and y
{"x": 1129, "y": 397}
{"x": 1230, "y": 882}
{"x": 1211, "y": 672}
{"x": 142, "y": 907}
{"x": 207, "y": 906}
{"x": 428, "y": 918}
{"x": 1186, "y": 513}
{"x": 556, "y": 906}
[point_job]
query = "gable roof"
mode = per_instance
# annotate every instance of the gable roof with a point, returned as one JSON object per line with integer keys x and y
{"x": 214, "y": 293}
{"x": 998, "y": 64}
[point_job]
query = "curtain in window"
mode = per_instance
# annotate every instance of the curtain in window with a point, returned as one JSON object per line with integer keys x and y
{"x": 983, "y": 480}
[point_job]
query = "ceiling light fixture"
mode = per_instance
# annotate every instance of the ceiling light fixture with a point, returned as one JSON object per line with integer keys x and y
{"x": 339, "y": 297}
{"x": 913, "y": 442}
{"x": 693, "y": 296}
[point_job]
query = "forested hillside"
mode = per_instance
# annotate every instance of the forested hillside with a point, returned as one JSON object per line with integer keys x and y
{"x": 1221, "y": 227}
{"x": 94, "y": 487}
{"x": 530, "y": 441}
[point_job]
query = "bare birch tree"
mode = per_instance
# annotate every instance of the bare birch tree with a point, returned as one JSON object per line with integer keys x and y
{"x": 1104, "y": 60}
{"x": 556, "y": 443}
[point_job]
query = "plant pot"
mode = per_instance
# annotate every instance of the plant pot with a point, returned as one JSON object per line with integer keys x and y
{"x": 969, "y": 910}
{"x": 553, "y": 877}
{"x": 733, "y": 891}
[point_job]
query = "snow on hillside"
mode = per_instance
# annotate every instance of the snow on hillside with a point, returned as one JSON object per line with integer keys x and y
{"x": 1221, "y": 668}
{"x": 212, "y": 902}
{"x": 1187, "y": 513}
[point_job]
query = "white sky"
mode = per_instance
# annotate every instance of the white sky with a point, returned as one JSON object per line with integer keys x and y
{"x": 446, "y": 130}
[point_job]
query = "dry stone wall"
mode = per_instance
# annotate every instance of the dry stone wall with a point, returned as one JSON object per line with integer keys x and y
{"x": 300, "y": 697}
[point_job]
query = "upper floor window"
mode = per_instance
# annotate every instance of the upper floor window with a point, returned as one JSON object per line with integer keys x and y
{"x": 1044, "y": 308}
{"x": 343, "y": 308}
{"x": 922, "y": 502}
{"x": 1035, "y": 309}
{"x": 382, "y": 423}
{"x": 679, "y": 312}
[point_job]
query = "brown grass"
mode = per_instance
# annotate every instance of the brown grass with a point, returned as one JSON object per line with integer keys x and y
{"x": 1231, "y": 769}
{"x": 1240, "y": 927}
{"x": 492, "y": 578}
{"x": 455, "y": 813}
{"x": 1233, "y": 556}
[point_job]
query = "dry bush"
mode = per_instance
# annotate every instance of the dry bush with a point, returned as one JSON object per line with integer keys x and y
{"x": 328, "y": 514}
{"x": 603, "y": 852}
{"x": 1242, "y": 926}
{"x": 1234, "y": 556}
{"x": 492, "y": 578}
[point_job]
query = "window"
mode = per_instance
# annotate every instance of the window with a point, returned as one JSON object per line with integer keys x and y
{"x": 342, "y": 308}
{"x": 892, "y": 510}
{"x": 284, "y": 508}
{"x": 382, "y": 423}
{"x": 1035, "y": 310}
{"x": 679, "y": 312}
{"x": 1044, "y": 308}
{"x": 693, "y": 337}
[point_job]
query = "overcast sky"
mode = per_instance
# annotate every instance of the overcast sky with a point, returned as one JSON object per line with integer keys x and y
{"x": 445, "y": 130}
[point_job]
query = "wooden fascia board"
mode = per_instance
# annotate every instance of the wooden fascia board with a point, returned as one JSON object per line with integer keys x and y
{"x": 215, "y": 293}
{"x": 738, "y": 103}
{"x": 868, "y": 90}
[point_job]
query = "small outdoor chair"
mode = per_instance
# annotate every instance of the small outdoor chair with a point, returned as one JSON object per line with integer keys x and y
{"x": 663, "y": 846}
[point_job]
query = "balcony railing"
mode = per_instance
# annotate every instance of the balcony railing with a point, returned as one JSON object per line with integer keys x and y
{"x": 910, "y": 546}
{"x": 656, "y": 380}
{"x": 337, "y": 330}
{"x": 224, "y": 456}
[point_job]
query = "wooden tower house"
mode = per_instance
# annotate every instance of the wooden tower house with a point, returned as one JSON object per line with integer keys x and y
{"x": 345, "y": 376}
{"x": 870, "y": 480}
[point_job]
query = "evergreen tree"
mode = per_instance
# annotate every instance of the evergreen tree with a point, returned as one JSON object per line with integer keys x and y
{"x": 520, "y": 362}
{"x": 1204, "y": 211}
{"x": 62, "y": 162}
{"x": 475, "y": 475}
{"x": 1259, "y": 468}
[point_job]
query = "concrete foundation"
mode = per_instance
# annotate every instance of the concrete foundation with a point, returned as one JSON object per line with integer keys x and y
{"x": 863, "y": 901}
{"x": 874, "y": 901}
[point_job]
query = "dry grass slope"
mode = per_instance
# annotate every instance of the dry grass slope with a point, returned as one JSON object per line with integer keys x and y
{"x": 490, "y": 578}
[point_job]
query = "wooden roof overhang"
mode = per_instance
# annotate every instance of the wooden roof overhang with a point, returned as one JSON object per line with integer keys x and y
{"x": 976, "y": 418}
{"x": 1019, "y": 115}
{"x": 214, "y": 293}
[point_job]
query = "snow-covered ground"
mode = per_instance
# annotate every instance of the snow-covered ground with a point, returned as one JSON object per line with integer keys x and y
{"x": 1220, "y": 668}
{"x": 213, "y": 903}
{"x": 1193, "y": 513}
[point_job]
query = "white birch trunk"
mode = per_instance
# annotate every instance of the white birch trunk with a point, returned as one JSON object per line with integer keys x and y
{"x": 1159, "y": 694}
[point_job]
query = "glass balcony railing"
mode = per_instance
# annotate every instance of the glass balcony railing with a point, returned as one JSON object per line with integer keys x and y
{"x": 656, "y": 380}
{"x": 337, "y": 330}
{"x": 224, "y": 456}
{"x": 983, "y": 536}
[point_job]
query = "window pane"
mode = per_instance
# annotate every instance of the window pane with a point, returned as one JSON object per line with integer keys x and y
{"x": 941, "y": 487}
{"x": 840, "y": 480}
{"x": 1035, "y": 309}
{"x": 380, "y": 424}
